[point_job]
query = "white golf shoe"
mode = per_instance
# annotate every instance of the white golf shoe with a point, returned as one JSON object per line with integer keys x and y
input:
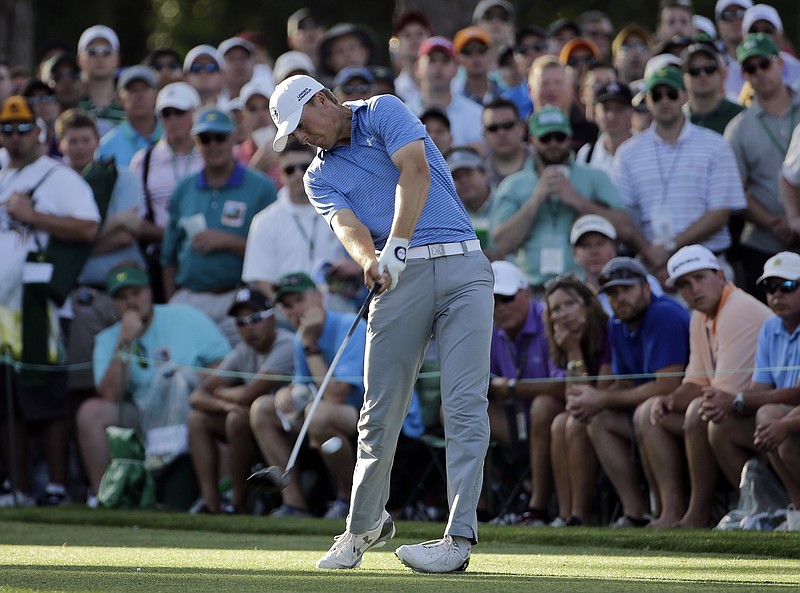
{"x": 442, "y": 555}
{"x": 348, "y": 548}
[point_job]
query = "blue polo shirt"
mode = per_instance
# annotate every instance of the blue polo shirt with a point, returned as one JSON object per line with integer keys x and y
{"x": 363, "y": 178}
{"x": 661, "y": 340}
{"x": 229, "y": 209}
{"x": 122, "y": 142}
{"x": 777, "y": 348}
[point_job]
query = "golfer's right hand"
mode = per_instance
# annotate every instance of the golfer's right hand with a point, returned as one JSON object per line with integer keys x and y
{"x": 393, "y": 260}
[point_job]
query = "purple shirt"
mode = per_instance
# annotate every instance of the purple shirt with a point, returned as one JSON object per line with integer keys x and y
{"x": 528, "y": 357}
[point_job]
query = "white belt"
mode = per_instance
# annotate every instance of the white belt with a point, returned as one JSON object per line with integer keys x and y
{"x": 442, "y": 249}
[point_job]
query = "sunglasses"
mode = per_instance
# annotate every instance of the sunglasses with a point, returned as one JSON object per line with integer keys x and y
{"x": 708, "y": 69}
{"x": 732, "y": 14}
{"x": 21, "y": 129}
{"x": 42, "y": 99}
{"x": 585, "y": 60}
{"x": 504, "y": 298}
{"x": 478, "y": 50}
{"x": 751, "y": 66}
{"x": 211, "y": 67}
{"x": 530, "y": 47}
{"x": 620, "y": 274}
{"x": 350, "y": 89}
{"x": 252, "y": 318}
{"x": 290, "y": 169}
{"x": 166, "y": 66}
{"x": 557, "y": 136}
{"x": 103, "y": 52}
{"x": 505, "y": 125}
{"x": 786, "y": 287}
{"x": 766, "y": 28}
{"x": 671, "y": 93}
{"x": 72, "y": 75}
{"x": 168, "y": 112}
{"x": 209, "y": 137}
{"x": 639, "y": 46}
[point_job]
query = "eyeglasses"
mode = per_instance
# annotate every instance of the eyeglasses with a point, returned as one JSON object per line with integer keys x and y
{"x": 103, "y": 52}
{"x": 557, "y": 136}
{"x": 166, "y": 66}
{"x": 671, "y": 93}
{"x": 751, "y": 66}
{"x": 708, "y": 69}
{"x": 766, "y": 28}
{"x": 351, "y": 89}
{"x": 42, "y": 99}
{"x": 476, "y": 50}
{"x": 168, "y": 112}
{"x": 21, "y": 129}
{"x": 639, "y": 46}
{"x": 732, "y": 14}
{"x": 620, "y": 274}
{"x": 504, "y": 298}
{"x": 586, "y": 60}
{"x": 786, "y": 287}
{"x": 71, "y": 75}
{"x": 209, "y": 137}
{"x": 530, "y": 47}
{"x": 252, "y": 318}
{"x": 504, "y": 125}
{"x": 289, "y": 170}
{"x": 211, "y": 67}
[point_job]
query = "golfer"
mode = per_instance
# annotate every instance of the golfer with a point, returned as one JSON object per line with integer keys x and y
{"x": 381, "y": 184}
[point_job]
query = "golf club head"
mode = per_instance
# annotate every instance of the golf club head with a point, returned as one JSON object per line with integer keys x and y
{"x": 268, "y": 479}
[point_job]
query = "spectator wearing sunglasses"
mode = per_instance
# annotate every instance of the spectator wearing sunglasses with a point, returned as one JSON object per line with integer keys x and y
{"x": 504, "y": 133}
{"x": 738, "y": 422}
{"x": 728, "y": 15}
{"x": 630, "y": 50}
{"x": 472, "y": 45}
{"x": 760, "y": 138}
{"x": 703, "y": 71}
{"x": 529, "y": 44}
{"x": 678, "y": 181}
{"x": 496, "y": 17}
{"x": 353, "y": 83}
{"x": 723, "y": 333}
{"x": 62, "y": 73}
{"x": 535, "y": 208}
{"x": 578, "y": 55}
{"x": 209, "y": 216}
{"x": 98, "y": 57}
{"x": 203, "y": 70}
{"x": 166, "y": 62}
{"x": 221, "y": 404}
{"x": 45, "y": 105}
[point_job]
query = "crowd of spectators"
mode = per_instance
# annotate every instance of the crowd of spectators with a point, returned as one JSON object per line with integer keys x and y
{"x": 638, "y": 193}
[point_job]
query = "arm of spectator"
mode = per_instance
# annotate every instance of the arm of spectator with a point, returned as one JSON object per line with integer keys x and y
{"x": 117, "y": 232}
{"x": 247, "y": 393}
{"x": 790, "y": 200}
{"x": 203, "y": 398}
{"x": 677, "y": 401}
{"x": 769, "y": 434}
{"x": 702, "y": 228}
{"x": 20, "y": 206}
{"x": 718, "y": 405}
{"x": 213, "y": 240}
{"x": 168, "y": 273}
{"x": 627, "y": 398}
{"x": 509, "y": 234}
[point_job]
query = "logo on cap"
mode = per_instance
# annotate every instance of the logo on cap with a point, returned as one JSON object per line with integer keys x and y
{"x": 303, "y": 93}
{"x": 275, "y": 114}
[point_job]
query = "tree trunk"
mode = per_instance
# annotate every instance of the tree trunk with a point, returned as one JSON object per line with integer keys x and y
{"x": 446, "y": 16}
{"x": 16, "y": 32}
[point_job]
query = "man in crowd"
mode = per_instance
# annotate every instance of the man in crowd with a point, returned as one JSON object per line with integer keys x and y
{"x": 703, "y": 70}
{"x": 62, "y": 73}
{"x": 202, "y": 67}
{"x": 612, "y": 114}
{"x": 504, "y": 134}
{"x": 674, "y": 19}
{"x": 238, "y": 64}
{"x": 303, "y": 33}
{"x": 98, "y": 57}
{"x": 630, "y": 51}
{"x": 472, "y": 45}
{"x": 472, "y": 185}
{"x": 728, "y": 15}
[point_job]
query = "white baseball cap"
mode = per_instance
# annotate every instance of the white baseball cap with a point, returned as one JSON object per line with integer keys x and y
{"x": 289, "y": 62}
{"x": 98, "y": 32}
{"x": 690, "y": 259}
{"x": 508, "y": 278}
{"x": 232, "y": 42}
{"x": 178, "y": 95}
{"x": 784, "y": 265}
{"x": 723, "y": 4}
{"x": 257, "y": 86}
{"x": 704, "y": 24}
{"x": 761, "y": 12}
{"x": 286, "y": 105}
{"x": 591, "y": 223}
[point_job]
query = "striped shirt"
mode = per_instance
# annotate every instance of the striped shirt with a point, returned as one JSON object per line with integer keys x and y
{"x": 667, "y": 187}
{"x": 362, "y": 177}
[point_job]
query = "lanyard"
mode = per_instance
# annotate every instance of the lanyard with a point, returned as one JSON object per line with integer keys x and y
{"x": 665, "y": 180}
{"x": 186, "y": 164}
{"x": 307, "y": 237}
{"x": 782, "y": 149}
{"x": 522, "y": 358}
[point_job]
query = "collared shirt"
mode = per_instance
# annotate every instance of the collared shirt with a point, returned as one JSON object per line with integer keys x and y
{"x": 466, "y": 118}
{"x": 660, "y": 340}
{"x": 760, "y": 142}
{"x": 196, "y": 206}
{"x": 123, "y": 142}
{"x": 108, "y": 117}
{"x": 550, "y": 228}
{"x": 723, "y": 346}
{"x": 528, "y": 356}
{"x": 278, "y": 360}
{"x": 777, "y": 349}
{"x": 667, "y": 187}
{"x": 791, "y": 164}
{"x": 362, "y": 177}
{"x": 717, "y": 119}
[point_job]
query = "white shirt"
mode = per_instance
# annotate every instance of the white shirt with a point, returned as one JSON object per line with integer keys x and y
{"x": 59, "y": 191}
{"x": 465, "y": 115}
{"x": 601, "y": 158}
{"x": 286, "y": 237}
{"x": 791, "y": 164}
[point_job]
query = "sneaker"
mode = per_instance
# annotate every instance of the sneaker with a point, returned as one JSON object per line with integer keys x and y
{"x": 558, "y": 522}
{"x": 438, "y": 556}
{"x": 348, "y": 548}
{"x": 533, "y": 518}
{"x": 23, "y": 500}
{"x": 288, "y": 511}
{"x": 338, "y": 509}
{"x": 626, "y": 522}
{"x": 54, "y": 499}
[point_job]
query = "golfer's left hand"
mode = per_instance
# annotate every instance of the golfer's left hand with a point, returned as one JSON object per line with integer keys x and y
{"x": 393, "y": 260}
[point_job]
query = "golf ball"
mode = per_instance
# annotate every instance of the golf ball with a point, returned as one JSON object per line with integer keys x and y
{"x": 332, "y": 445}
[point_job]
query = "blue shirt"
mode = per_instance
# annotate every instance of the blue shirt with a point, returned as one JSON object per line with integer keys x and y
{"x": 362, "y": 177}
{"x": 122, "y": 142}
{"x": 179, "y": 334}
{"x": 776, "y": 348}
{"x": 661, "y": 340}
{"x": 527, "y": 357}
{"x": 229, "y": 209}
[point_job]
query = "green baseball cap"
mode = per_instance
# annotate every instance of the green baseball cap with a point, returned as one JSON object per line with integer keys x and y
{"x": 756, "y": 44}
{"x": 125, "y": 276}
{"x": 293, "y": 282}
{"x": 547, "y": 120}
{"x": 668, "y": 75}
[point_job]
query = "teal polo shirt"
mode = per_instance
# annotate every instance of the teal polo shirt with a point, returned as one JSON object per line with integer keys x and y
{"x": 195, "y": 204}
{"x": 548, "y": 237}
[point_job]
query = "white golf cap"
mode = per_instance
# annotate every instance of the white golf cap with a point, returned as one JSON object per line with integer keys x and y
{"x": 178, "y": 95}
{"x": 761, "y": 12}
{"x": 257, "y": 86}
{"x": 784, "y": 265}
{"x": 286, "y": 105}
{"x": 289, "y": 62}
{"x": 690, "y": 259}
{"x": 591, "y": 223}
{"x": 508, "y": 278}
{"x": 229, "y": 44}
{"x": 704, "y": 24}
{"x": 201, "y": 50}
{"x": 723, "y": 4}
{"x": 98, "y": 32}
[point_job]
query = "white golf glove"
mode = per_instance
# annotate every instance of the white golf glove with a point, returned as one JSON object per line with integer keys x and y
{"x": 393, "y": 259}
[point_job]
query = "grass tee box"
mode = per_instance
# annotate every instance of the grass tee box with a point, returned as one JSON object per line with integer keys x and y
{"x": 75, "y": 549}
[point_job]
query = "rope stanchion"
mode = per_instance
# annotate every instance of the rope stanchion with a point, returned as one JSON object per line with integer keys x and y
{"x": 12, "y": 437}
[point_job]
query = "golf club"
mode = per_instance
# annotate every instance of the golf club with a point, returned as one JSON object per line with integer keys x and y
{"x": 272, "y": 479}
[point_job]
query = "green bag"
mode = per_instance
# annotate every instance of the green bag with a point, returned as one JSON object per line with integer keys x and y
{"x": 126, "y": 483}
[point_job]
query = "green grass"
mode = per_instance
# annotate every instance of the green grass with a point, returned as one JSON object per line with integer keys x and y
{"x": 75, "y": 549}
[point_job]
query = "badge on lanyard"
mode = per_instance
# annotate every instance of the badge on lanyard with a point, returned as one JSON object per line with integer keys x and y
{"x": 661, "y": 223}
{"x": 551, "y": 255}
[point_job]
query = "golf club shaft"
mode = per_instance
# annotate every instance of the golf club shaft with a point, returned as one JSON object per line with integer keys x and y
{"x": 327, "y": 379}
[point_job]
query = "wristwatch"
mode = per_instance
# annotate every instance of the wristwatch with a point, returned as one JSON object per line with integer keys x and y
{"x": 311, "y": 349}
{"x": 738, "y": 403}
